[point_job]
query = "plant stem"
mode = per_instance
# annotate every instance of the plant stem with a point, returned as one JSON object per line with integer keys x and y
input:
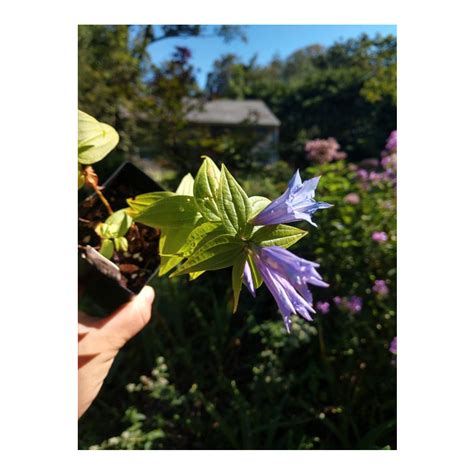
{"x": 102, "y": 198}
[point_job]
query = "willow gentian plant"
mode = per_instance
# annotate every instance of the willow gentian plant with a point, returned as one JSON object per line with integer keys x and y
{"x": 210, "y": 223}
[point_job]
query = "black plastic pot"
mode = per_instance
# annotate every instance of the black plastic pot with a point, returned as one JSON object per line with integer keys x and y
{"x": 100, "y": 293}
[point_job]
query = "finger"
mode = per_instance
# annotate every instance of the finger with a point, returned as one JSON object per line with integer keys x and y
{"x": 131, "y": 318}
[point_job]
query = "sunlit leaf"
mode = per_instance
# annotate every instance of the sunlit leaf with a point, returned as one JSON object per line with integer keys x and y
{"x": 186, "y": 186}
{"x": 206, "y": 188}
{"x": 256, "y": 277}
{"x": 173, "y": 211}
{"x": 218, "y": 253}
{"x": 258, "y": 204}
{"x": 233, "y": 204}
{"x": 95, "y": 139}
{"x": 121, "y": 243}
{"x": 171, "y": 241}
{"x": 107, "y": 248}
{"x": 197, "y": 235}
{"x": 118, "y": 223}
{"x": 141, "y": 202}
{"x": 280, "y": 234}
{"x": 237, "y": 277}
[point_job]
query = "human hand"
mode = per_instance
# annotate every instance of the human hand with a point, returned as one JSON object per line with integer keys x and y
{"x": 101, "y": 339}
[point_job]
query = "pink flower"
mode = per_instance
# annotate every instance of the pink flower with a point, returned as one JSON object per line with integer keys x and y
{"x": 393, "y": 346}
{"x": 324, "y": 151}
{"x": 379, "y": 236}
{"x": 323, "y": 307}
{"x": 352, "y": 198}
{"x": 380, "y": 287}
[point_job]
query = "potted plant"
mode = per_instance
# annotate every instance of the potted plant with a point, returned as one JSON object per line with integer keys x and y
{"x": 130, "y": 226}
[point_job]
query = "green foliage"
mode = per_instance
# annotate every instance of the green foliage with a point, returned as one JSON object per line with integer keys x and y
{"x": 112, "y": 233}
{"x": 282, "y": 235}
{"x": 347, "y": 90}
{"x": 233, "y": 204}
{"x": 224, "y": 381}
{"x": 95, "y": 139}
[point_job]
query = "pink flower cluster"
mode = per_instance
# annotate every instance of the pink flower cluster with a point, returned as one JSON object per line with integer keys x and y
{"x": 324, "y": 151}
{"x": 352, "y": 304}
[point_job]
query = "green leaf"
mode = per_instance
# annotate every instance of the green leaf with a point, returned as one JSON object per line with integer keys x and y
{"x": 197, "y": 235}
{"x": 194, "y": 275}
{"x": 107, "y": 248}
{"x": 121, "y": 243}
{"x": 140, "y": 203}
{"x": 167, "y": 263}
{"x": 256, "y": 277}
{"x": 118, "y": 223}
{"x": 171, "y": 241}
{"x": 280, "y": 234}
{"x": 237, "y": 277}
{"x": 173, "y": 211}
{"x": 95, "y": 139}
{"x": 186, "y": 186}
{"x": 233, "y": 204}
{"x": 206, "y": 188}
{"x": 81, "y": 179}
{"x": 218, "y": 253}
{"x": 258, "y": 204}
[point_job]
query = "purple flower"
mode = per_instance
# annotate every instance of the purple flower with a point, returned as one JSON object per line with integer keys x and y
{"x": 323, "y": 307}
{"x": 295, "y": 204}
{"x": 379, "y": 236}
{"x": 380, "y": 287}
{"x": 393, "y": 346}
{"x": 248, "y": 280}
{"x": 287, "y": 277}
{"x": 362, "y": 174}
{"x": 354, "y": 304}
{"x": 391, "y": 144}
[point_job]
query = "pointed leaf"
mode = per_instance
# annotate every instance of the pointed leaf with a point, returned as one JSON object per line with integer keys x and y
{"x": 258, "y": 204}
{"x": 237, "y": 277}
{"x": 197, "y": 235}
{"x": 206, "y": 188}
{"x": 95, "y": 139}
{"x": 171, "y": 241}
{"x": 121, "y": 243}
{"x": 186, "y": 186}
{"x": 118, "y": 223}
{"x": 218, "y": 253}
{"x": 173, "y": 211}
{"x": 233, "y": 204}
{"x": 280, "y": 234}
{"x": 107, "y": 248}
{"x": 139, "y": 203}
{"x": 256, "y": 277}
{"x": 194, "y": 275}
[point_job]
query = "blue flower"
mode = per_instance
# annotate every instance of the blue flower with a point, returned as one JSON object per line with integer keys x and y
{"x": 248, "y": 280}
{"x": 287, "y": 277}
{"x": 295, "y": 204}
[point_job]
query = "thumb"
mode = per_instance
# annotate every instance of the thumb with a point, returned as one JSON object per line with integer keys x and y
{"x": 131, "y": 318}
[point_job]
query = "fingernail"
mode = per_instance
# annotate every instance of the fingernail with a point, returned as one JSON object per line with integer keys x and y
{"x": 148, "y": 294}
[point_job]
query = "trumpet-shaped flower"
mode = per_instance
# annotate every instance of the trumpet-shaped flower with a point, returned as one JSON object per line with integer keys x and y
{"x": 248, "y": 281}
{"x": 287, "y": 277}
{"x": 295, "y": 204}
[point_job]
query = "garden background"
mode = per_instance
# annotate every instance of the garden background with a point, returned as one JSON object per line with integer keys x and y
{"x": 199, "y": 377}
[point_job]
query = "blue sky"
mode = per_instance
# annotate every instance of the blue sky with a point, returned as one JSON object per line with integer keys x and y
{"x": 263, "y": 40}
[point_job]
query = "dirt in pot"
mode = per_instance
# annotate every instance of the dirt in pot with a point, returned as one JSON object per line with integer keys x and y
{"x": 141, "y": 259}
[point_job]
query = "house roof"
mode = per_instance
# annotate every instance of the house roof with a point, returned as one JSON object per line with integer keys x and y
{"x": 232, "y": 112}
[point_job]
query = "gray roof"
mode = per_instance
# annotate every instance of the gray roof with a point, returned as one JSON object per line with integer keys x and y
{"x": 232, "y": 112}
